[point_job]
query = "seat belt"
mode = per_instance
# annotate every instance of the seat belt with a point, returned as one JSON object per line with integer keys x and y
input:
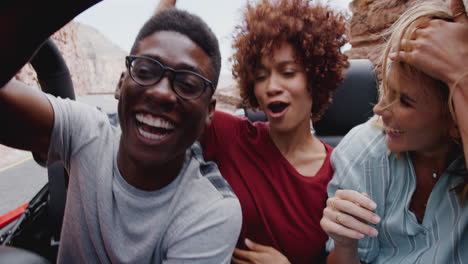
{"x": 58, "y": 182}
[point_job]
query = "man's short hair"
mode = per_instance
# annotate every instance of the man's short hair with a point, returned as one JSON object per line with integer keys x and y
{"x": 189, "y": 25}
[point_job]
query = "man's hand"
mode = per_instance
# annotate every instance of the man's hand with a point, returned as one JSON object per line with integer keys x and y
{"x": 258, "y": 254}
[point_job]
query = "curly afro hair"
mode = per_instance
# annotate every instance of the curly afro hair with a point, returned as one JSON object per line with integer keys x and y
{"x": 315, "y": 32}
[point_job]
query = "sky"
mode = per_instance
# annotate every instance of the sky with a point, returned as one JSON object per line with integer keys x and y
{"x": 120, "y": 20}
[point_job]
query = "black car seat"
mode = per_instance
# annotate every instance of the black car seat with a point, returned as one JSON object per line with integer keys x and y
{"x": 351, "y": 106}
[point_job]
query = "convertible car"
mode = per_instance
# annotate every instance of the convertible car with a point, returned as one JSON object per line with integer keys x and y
{"x": 31, "y": 233}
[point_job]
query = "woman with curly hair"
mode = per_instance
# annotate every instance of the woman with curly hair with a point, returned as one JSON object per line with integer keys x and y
{"x": 288, "y": 64}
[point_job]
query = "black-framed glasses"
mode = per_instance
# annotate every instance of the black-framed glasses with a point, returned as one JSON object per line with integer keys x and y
{"x": 147, "y": 71}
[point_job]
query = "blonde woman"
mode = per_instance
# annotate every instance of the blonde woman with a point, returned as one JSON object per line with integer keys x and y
{"x": 440, "y": 49}
{"x": 399, "y": 188}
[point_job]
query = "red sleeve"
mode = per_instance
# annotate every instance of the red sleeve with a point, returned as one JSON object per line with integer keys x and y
{"x": 222, "y": 132}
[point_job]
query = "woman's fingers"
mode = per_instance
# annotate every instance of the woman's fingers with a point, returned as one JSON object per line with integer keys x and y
{"x": 334, "y": 229}
{"x": 235, "y": 260}
{"x": 243, "y": 254}
{"x": 349, "y": 223}
{"x": 439, "y": 50}
{"x": 410, "y": 45}
{"x": 347, "y": 216}
{"x": 459, "y": 11}
{"x": 356, "y": 210}
{"x": 421, "y": 28}
{"x": 355, "y": 223}
{"x": 356, "y": 198}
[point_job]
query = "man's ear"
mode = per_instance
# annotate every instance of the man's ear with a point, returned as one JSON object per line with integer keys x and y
{"x": 119, "y": 85}
{"x": 211, "y": 111}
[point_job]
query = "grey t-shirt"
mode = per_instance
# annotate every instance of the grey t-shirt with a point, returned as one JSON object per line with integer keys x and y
{"x": 195, "y": 219}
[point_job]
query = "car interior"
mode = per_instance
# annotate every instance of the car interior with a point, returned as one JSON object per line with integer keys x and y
{"x": 33, "y": 232}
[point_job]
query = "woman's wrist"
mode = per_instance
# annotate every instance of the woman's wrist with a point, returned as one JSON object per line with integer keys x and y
{"x": 343, "y": 254}
{"x": 347, "y": 253}
{"x": 459, "y": 90}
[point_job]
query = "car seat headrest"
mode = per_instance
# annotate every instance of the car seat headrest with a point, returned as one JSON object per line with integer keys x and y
{"x": 353, "y": 100}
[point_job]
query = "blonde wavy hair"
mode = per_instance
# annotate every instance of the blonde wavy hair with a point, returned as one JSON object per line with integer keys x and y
{"x": 402, "y": 29}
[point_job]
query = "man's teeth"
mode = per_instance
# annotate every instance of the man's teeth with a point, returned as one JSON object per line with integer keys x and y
{"x": 151, "y": 135}
{"x": 154, "y": 121}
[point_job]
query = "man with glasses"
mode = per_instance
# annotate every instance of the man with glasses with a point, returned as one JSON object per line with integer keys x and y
{"x": 142, "y": 192}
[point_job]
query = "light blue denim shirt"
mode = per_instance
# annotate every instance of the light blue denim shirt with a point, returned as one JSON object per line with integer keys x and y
{"x": 362, "y": 163}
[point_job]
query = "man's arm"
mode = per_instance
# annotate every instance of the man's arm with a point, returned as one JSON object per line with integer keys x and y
{"x": 25, "y": 113}
{"x": 27, "y": 117}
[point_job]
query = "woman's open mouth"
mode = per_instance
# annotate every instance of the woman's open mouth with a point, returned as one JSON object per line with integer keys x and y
{"x": 277, "y": 109}
{"x": 153, "y": 128}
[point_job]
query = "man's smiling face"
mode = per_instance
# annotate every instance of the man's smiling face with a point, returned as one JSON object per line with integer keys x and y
{"x": 157, "y": 124}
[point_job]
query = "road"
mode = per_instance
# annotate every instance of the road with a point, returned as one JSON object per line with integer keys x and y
{"x": 19, "y": 183}
{"x": 20, "y": 177}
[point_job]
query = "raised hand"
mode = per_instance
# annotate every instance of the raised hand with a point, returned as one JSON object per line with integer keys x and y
{"x": 163, "y": 4}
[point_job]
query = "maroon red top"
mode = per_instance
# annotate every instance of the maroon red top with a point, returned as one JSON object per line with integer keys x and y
{"x": 280, "y": 207}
